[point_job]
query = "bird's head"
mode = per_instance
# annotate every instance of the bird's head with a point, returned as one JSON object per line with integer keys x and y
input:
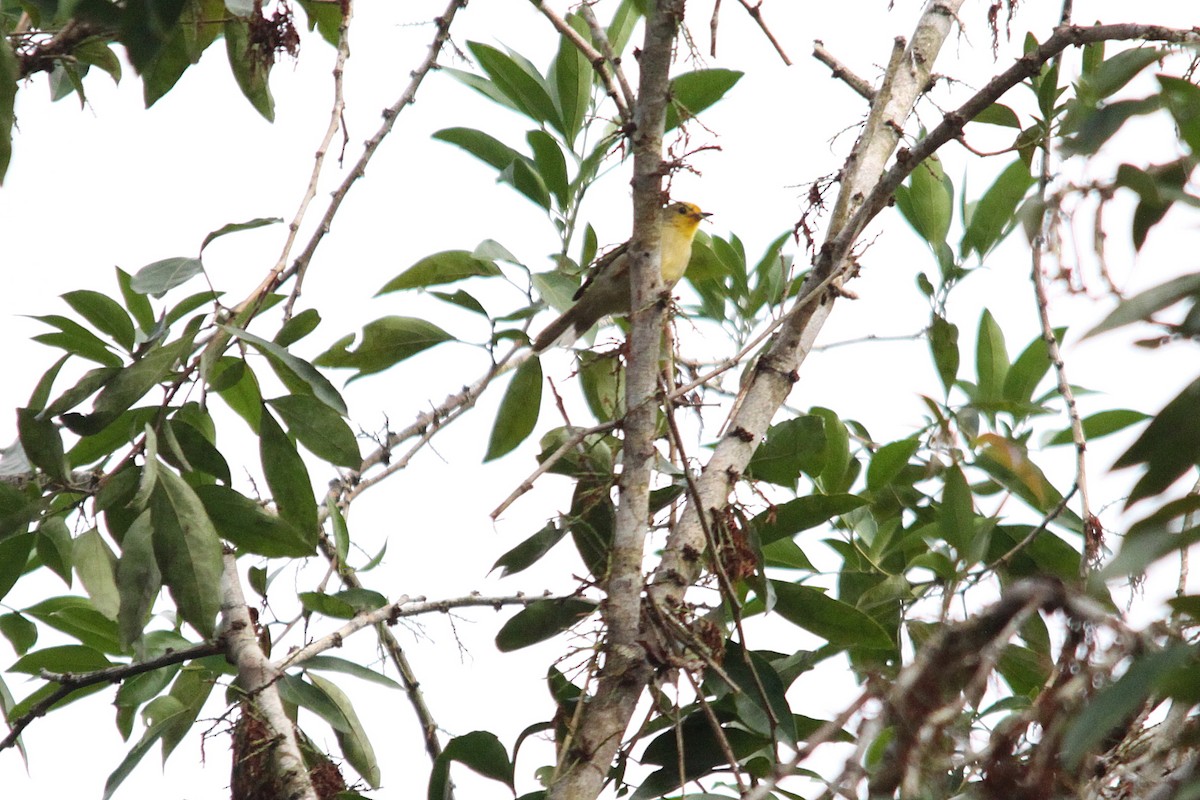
{"x": 686, "y": 216}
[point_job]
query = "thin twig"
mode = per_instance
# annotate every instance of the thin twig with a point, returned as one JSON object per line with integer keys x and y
{"x": 843, "y": 73}
{"x": 336, "y": 118}
{"x": 755, "y": 13}
{"x": 596, "y": 58}
{"x": 600, "y": 37}
{"x": 71, "y": 682}
{"x": 572, "y": 441}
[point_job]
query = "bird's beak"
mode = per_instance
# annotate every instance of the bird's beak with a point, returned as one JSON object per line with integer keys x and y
{"x": 705, "y": 214}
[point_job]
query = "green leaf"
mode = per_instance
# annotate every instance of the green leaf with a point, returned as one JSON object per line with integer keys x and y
{"x": 889, "y": 461}
{"x": 1144, "y": 305}
{"x": 199, "y": 25}
{"x": 1116, "y": 71}
{"x": 335, "y": 664}
{"x": 356, "y": 747}
{"x": 943, "y": 344}
{"x": 1168, "y": 447}
{"x": 253, "y": 529}
{"x": 138, "y": 305}
{"x": 483, "y": 146}
{"x": 518, "y": 412}
{"x": 10, "y": 74}
{"x": 385, "y": 343}
{"x": 998, "y": 114}
{"x": 995, "y": 214}
{"x": 234, "y": 227}
{"x": 287, "y": 477}
{"x": 1028, "y": 370}
{"x": 841, "y": 624}
{"x": 602, "y": 378}
{"x": 480, "y": 751}
{"x": 251, "y": 65}
{"x": 138, "y": 579}
{"x": 160, "y": 277}
{"x": 790, "y": 518}
{"x": 956, "y": 520}
{"x": 74, "y": 338}
{"x": 319, "y": 428}
{"x": 926, "y": 201}
{"x": 692, "y": 92}
{"x": 571, "y": 81}
{"x": 54, "y": 547}
{"x": 42, "y": 443}
{"x": 447, "y": 266}
{"x": 97, "y": 569}
{"x": 524, "y": 177}
{"x": 1102, "y": 423}
{"x": 79, "y": 619}
{"x": 127, "y": 387}
{"x": 551, "y": 164}
{"x": 1182, "y": 97}
{"x": 530, "y": 551}
{"x": 14, "y": 555}
{"x": 20, "y": 632}
{"x": 991, "y": 359}
{"x": 296, "y": 328}
{"x": 285, "y": 363}
{"x": 104, "y": 313}
{"x": 327, "y": 604}
{"x": 341, "y": 534}
{"x": 187, "y": 549}
{"x": 62, "y": 658}
{"x": 519, "y": 82}
{"x": 542, "y": 620}
{"x": 791, "y": 446}
{"x": 237, "y": 385}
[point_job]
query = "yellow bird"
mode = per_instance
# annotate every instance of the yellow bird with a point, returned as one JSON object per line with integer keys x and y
{"x": 606, "y": 291}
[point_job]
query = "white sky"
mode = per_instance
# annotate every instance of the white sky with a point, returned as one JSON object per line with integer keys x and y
{"x": 115, "y": 184}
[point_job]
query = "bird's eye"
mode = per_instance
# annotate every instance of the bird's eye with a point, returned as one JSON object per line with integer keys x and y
{"x": 681, "y": 210}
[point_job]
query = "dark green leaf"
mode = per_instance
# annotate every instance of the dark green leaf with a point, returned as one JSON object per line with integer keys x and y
{"x": 530, "y": 551}
{"x": 571, "y": 81}
{"x": 1117, "y": 70}
{"x": 385, "y": 343}
{"x": 1144, "y": 305}
{"x": 251, "y": 528}
{"x": 956, "y": 520}
{"x": 841, "y": 624}
{"x": 251, "y": 65}
{"x": 440, "y": 268}
{"x": 104, "y": 313}
{"x": 1102, "y": 423}
{"x": 542, "y": 620}
{"x": 483, "y": 146}
{"x": 287, "y": 364}
{"x": 792, "y": 446}
{"x": 324, "y": 17}
{"x": 692, "y": 92}
{"x": 356, "y": 747}
{"x": 995, "y": 214}
{"x": 319, "y": 428}
{"x": 300, "y": 692}
{"x": 1029, "y": 369}
{"x": 518, "y": 81}
{"x": 63, "y": 658}
{"x": 482, "y": 752}
{"x": 1182, "y": 98}
{"x": 14, "y": 555}
{"x": 10, "y": 74}
{"x": 998, "y": 114}
{"x": 160, "y": 277}
{"x": 1168, "y": 447}
{"x": 234, "y": 227}
{"x": 54, "y": 547}
{"x": 327, "y": 604}
{"x": 551, "y": 164}
{"x": 74, "y": 338}
{"x": 138, "y": 305}
{"x": 127, "y": 387}
{"x": 42, "y": 443}
{"x": 943, "y": 344}
{"x": 518, "y": 412}
{"x": 794, "y": 516}
{"x": 20, "y": 632}
{"x": 79, "y": 619}
{"x": 237, "y": 385}
{"x": 335, "y": 664}
{"x": 602, "y": 378}
{"x": 187, "y": 549}
{"x": 341, "y": 534}
{"x": 138, "y": 579}
{"x": 286, "y": 475}
{"x": 298, "y": 327}
{"x": 524, "y": 177}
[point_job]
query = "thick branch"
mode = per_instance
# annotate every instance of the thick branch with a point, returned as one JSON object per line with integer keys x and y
{"x": 256, "y": 677}
{"x": 625, "y": 671}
